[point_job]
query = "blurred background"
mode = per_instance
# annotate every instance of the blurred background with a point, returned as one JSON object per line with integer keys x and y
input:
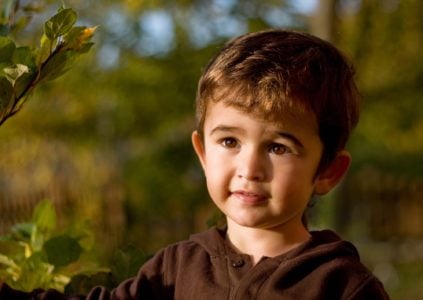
{"x": 109, "y": 142}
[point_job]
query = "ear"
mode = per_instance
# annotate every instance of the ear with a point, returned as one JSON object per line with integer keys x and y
{"x": 197, "y": 143}
{"x": 329, "y": 177}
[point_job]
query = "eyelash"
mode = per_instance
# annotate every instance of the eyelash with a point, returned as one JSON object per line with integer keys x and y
{"x": 230, "y": 143}
{"x": 285, "y": 149}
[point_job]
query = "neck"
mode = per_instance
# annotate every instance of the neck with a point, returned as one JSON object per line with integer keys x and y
{"x": 259, "y": 242}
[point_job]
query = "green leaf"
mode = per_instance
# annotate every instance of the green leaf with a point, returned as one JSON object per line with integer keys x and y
{"x": 22, "y": 84}
{"x": 6, "y": 261}
{"x": 62, "y": 250}
{"x": 36, "y": 273}
{"x": 57, "y": 65}
{"x": 44, "y": 216}
{"x": 16, "y": 71}
{"x": 126, "y": 262}
{"x": 85, "y": 48}
{"x": 7, "y": 47}
{"x": 6, "y": 94}
{"x": 60, "y": 23}
{"x": 82, "y": 231}
{"x": 22, "y": 231}
{"x": 44, "y": 220}
{"x": 72, "y": 37}
{"x": 37, "y": 239}
{"x": 78, "y": 38}
{"x": 24, "y": 56}
{"x": 2, "y": 66}
{"x": 12, "y": 249}
{"x": 45, "y": 49}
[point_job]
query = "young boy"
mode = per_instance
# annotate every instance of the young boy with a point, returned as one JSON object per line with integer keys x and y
{"x": 274, "y": 112}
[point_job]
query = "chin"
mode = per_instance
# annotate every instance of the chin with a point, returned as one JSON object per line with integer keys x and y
{"x": 247, "y": 222}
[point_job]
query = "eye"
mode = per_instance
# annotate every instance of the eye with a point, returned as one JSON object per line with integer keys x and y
{"x": 228, "y": 142}
{"x": 279, "y": 149}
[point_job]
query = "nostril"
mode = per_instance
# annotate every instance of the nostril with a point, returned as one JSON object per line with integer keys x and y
{"x": 251, "y": 176}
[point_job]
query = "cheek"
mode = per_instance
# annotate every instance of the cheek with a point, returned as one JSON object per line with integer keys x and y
{"x": 293, "y": 190}
{"x": 217, "y": 186}
{"x": 307, "y": 169}
{"x": 295, "y": 176}
{"x": 215, "y": 161}
{"x": 217, "y": 172}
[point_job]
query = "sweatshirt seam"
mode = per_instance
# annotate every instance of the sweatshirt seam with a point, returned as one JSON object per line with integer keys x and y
{"x": 165, "y": 272}
{"x": 360, "y": 287}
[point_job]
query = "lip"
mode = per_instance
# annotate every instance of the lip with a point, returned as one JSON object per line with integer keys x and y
{"x": 250, "y": 198}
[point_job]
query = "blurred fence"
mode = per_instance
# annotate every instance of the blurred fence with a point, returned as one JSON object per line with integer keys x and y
{"x": 82, "y": 187}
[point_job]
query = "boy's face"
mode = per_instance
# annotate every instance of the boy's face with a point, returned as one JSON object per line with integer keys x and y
{"x": 260, "y": 174}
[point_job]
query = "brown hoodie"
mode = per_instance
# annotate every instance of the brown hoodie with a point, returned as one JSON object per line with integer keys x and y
{"x": 206, "y": 267}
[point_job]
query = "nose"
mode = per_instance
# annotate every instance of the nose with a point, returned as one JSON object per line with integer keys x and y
{"x": 252, "y": 165}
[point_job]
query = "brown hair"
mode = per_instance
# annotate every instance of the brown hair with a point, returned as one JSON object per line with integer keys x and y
{"x": 276, "y": 71}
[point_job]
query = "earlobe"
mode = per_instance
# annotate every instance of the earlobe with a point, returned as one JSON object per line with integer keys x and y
{"x": 198, "y": 146}
{"x": 331, "y": 176}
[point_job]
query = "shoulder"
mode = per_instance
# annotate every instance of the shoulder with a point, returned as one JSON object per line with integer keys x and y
{"x": 209, "y": 241}
{"x": 333, "y": 265}
{"x": 197, "y": 248}
{"x": 161, "y": 275}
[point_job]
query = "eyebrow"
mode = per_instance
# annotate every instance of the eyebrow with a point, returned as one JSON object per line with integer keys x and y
{"x": 282, "y": 134}
{"x": 291, "y": 137}
{"x": 225, "y": 128}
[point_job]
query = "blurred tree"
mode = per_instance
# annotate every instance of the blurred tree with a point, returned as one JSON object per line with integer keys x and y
{"x": 113, "y": 142}
{"x": 383, "y": 39}
{"x": 23, "y": 68}
{"x": 380, "y": 200}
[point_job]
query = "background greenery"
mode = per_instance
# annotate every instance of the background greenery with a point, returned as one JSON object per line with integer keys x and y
{"x": 109, "y": 143}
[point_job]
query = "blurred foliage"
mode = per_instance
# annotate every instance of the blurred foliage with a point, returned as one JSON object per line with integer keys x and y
{"x": 110, "y": 141}
{"x": 379, "y": 205}
{"x": 24, "y": 68}
{"x": 39, "y": 255}
{"x": 122, "y": 120}
{"x": 34, "y": 255}
{"x": 384, "y": 38}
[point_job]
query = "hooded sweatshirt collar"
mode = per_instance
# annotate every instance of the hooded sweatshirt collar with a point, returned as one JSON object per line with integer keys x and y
{"x": 322, "y": 244}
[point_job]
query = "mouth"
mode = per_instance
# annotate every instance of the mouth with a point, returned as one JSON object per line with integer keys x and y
{"x": 250, "y": 198}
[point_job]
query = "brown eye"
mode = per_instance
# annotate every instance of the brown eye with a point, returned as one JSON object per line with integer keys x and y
{"x": 278, "y": 149}
{"x": 229, "y": 143}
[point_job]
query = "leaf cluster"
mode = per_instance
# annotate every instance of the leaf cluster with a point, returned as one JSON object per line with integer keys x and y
{"x": 34, "y": 255}
{"x": 37, "y": 255}
{"x": 23, "y": 68}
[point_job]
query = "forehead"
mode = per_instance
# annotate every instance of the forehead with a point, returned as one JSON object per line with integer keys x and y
{"x": 298, "y": 119}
